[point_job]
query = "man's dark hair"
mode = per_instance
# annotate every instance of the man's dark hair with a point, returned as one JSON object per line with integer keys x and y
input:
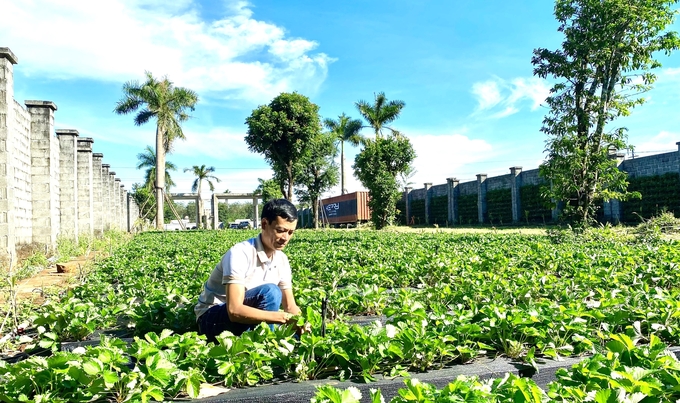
{"x": 279, "y": 208}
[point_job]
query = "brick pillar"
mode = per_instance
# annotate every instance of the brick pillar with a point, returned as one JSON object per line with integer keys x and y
{"x": 68, "y": 183}
{"x": 44, "y": 171}
{"x": 85, "y": 192}
{"x": 97, "y": 193}
{"x": 7, "y": 224}
{"x": 106, "y": 197}
{"x": 427, "y": 186}
{"x": 407, "y": 196}
{"x": 481, "y": 198}
{"x": 452, "y": 193}
{"x": 515, "y": 185}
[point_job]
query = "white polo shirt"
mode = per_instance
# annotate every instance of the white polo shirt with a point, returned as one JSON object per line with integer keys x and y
{"x": 245, "y": 263}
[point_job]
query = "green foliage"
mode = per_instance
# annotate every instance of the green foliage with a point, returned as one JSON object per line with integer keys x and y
{"x": 377, "y": 167}
{"x": 439, "y": 210}
{"x": 659, "y": 193}
{"x": 147, "y": 160}
{"x": 467, "y": 210}
{"x": 268, "y": 189}
{"x": 417, "y": 212}
{"x": 282, "y": 131}
{"x": 401, "y": 212}
{"x": 499, "y": 206}
{"x": 604, "y": 63}
{"x": 169, "y": 106}
{"x": 627, "y": 372}
{"x": 535, "y": 208}
{"x": 449, "y": 298}
{"x": 380, "y": 113}
{"x": 345, "y": 129}
{"x": 318, "y": 173}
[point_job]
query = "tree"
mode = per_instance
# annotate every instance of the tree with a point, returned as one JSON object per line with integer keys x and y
{"x": 159, "y": 100}
{"x": 405, "y": 177}
{"x": 377, "y": 167}
{"x": 268, "y": 189}
{"x": 344, "y": 129}
{"x": 147, "y": 160}
{"x": 319, "y": 172}
{"x": 202, "y": 173}
{"x": 281, "y": 131}
{"x": 380, "y": 113}
{"x": 603, "y": 66}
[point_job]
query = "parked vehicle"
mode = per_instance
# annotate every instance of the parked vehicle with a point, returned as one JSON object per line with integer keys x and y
{"x": 339, "y": 211}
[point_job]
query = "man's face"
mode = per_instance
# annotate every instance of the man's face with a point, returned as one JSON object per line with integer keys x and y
{"x": 276, "y": 234}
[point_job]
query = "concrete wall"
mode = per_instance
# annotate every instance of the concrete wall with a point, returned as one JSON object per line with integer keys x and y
{"x": 51, "y": 183}
{"x": 20, "y": 152}
{"x": 652, "y": 165}
{"x": 643, "y": 166}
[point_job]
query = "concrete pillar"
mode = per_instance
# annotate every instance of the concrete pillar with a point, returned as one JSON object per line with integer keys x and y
{"x": 427, "y": 186}
{"x": 116, "y": 204}
{"x": 256, "y": 207}
{"x": 44, "y": 173}
{"x": 85, "y": 192}
{"x": 121, "y": 206}
{"x": 106, "y": 198}
{"x": 98, "y": 193}
{"x": 214, "y": 210}
{"x": 68, "y": 183}
{"x": 515, "y": 185}
{"x": 7, "y": 225}
{"x": 613, "y": 209}
{"x": 452, "y": 193}
{"x": 407, "y": 203}
{"x": 481, "y": 198}
{"x": 112, "y": 200}
{"x": 124, "y": 208}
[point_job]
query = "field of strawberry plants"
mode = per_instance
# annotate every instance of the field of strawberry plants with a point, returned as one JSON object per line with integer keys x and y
{"x": 444, "y": 299}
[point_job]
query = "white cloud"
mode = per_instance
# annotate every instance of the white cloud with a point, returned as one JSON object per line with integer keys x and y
{"x": 487, "y": 93}
{"x": 443, "y": 156}
{"x": 504, "y": 98}
{"x": 662, "y": 142}
{"x": 235, "y": 57}
{"x": 219, "y": 143}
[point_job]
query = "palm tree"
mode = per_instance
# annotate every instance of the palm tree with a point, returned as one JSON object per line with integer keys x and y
{"x": 380, "y": 113}
{"x": 147, "y": 160}
{"x": 158, "y": 99}
{"x": 344, "y": 129}
{"x": 202, "y": 173}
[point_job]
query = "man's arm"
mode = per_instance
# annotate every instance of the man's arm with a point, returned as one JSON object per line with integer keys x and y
{"x": 288, "y": 302}
{"x": 239, "y": 313}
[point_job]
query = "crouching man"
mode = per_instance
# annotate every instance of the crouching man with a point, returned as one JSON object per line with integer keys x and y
{"x": 253, "y": 280}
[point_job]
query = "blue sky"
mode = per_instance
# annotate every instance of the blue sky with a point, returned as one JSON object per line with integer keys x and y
{"x": 462, "y": 68}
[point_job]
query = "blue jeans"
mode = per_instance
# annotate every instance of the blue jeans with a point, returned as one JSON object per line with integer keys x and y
{"x": 266, "y": 297}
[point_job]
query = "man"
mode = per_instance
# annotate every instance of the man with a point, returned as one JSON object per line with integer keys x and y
{"x": 253, "y": 279}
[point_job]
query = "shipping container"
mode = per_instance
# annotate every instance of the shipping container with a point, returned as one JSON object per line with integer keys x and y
{"x": 350, "y": 208}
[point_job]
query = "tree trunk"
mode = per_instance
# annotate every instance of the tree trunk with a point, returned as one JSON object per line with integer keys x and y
{"x": 290, "y": 182}
{"x": 160, "y": 178}
{"x": 315, "y": 213}
{"x": 199, "y": 218}
{"x": 342, "y": 168}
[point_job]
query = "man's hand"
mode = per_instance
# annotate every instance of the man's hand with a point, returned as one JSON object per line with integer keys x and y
{"x": 286, "y": 317}
{"x": 306, "y": 328}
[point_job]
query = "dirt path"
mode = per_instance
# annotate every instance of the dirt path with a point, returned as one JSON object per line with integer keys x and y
{"x": 55, "y": 278}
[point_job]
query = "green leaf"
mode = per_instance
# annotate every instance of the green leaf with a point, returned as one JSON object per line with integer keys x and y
{"x": 602, "y": 395}
{"x": 92, "y": 366}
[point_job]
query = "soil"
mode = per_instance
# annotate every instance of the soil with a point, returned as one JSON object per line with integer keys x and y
{"x": 57, "y": 277}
